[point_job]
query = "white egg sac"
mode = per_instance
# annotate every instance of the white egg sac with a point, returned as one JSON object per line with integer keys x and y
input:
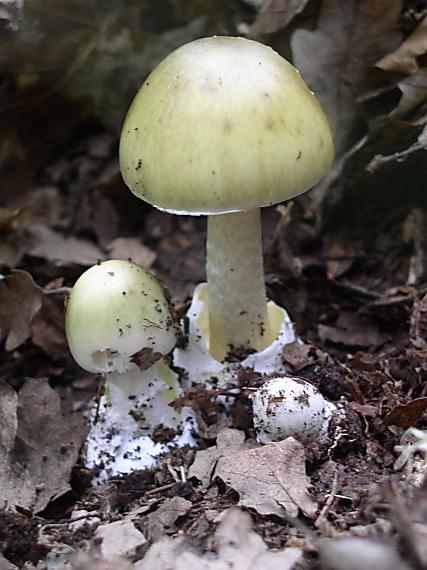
{"x": 287, "y": 406}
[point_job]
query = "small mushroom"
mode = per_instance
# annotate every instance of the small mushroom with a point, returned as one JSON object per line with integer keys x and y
{"x": 287, "y": 406}
{"x": 222, "y": 127}
{"x": 118, "y": 323}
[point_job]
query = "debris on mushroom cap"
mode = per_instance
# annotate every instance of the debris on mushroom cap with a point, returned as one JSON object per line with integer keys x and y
{"x": 287, "y": 406}
{"x": 223, "y": 124}
{"x": 115, "y": 310}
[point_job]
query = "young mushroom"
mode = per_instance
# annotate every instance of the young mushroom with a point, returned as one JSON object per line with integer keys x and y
{"x": 118, "y": 323}
{"x": 222, "y": 127}
{"x": 287, "y": 406}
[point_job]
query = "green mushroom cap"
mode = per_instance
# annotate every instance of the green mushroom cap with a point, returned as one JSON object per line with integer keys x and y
{"x": 115, "y": 310}
{"x": 223, "y": 124}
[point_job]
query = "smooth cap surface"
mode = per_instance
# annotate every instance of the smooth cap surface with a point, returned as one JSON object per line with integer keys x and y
{"x": 223, "y": 124}
{"x": 115, "y": 310}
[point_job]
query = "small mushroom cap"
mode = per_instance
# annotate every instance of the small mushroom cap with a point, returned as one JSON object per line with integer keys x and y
{"x": 115, "y": 310}
{"x": 287, "y": 406}
{"x": 221, "y": 125}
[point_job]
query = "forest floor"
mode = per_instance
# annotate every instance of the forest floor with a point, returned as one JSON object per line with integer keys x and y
{"x": 364, "y": 329}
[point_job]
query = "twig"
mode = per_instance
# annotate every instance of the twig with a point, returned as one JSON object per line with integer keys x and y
{"x": 159, "y": 489}
{"x": 58, "y": 291}
{"x": 321, "y": 519}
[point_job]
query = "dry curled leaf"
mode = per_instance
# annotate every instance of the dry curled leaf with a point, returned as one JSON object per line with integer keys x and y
{"x": 20, "y": 300}
{"x": 406, "y": 415}
{"x": 270, "y": 479}
{"x": 47, "y": 442}
{"x": 404, "y": 59}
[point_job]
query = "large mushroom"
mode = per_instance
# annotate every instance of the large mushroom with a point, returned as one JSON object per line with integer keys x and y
{"x": 222, "y": 127}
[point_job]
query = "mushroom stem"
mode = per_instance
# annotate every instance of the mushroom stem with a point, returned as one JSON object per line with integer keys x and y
{"x": 236, "y": 292}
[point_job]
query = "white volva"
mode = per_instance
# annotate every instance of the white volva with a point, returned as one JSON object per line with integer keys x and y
{"x": 286, "y": 406}
{"x": 118, "y": 317}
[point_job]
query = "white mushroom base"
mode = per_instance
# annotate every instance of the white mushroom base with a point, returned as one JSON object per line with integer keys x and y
{"x": 135, "y": 402}
{"x": 196, "y": 360}
{"x": 286, "y": 406}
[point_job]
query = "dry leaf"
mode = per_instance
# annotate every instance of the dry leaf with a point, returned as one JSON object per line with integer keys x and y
{"x": 120, "y": 538}
{"x": 48, "y": 328}
{"x": 47, "y": 442}
{"x": 20, "y": 299}
{"x": 275, "y": 15}
{"x": 406, "y": 415}
{"x": 404, "y": 58}
{"x": 228, "y": 442}
{"x": 133, "y": 249}
{"x": 270, "y": 479}
{"x": 163, "y": 520}
{"x": 16, "y": 486}
{"x": 53, "y": 246}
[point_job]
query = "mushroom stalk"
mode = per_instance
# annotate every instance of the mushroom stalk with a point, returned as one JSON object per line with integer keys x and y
{"x": 235, "y": 275}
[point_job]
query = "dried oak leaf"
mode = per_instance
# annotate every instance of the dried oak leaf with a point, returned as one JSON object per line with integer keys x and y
{"x": 228, "y": 441}
{"x": 406, "y": 415}
{"x": 47, "y": 442}
{"x": 16, "y": 486}
{"x": 54, "y": 247}
{"x": 20, "y": 300}
{"x": 405, "y": 59}
{"x": 270, "y": 479}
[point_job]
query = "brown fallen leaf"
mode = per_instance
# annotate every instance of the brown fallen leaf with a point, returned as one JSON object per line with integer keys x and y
{"x": 53, "y": 246}
{"x": 299, "y": 356}
{"x": 270, "y": 479}
{"x": 228, "y": 441}
{"x": 406, "y": 415}
{"x": 133, "y": 249}
{"x": 275, "y": 15}
{"x": 20, "y": 299}
{"x": 48, "y": 328}
{"x": 351, "y": 329}
{"x": 16, "y": 486}
{"x": 119, "y": 539}
{"x": 404, "y": 59}
{"x": 47, "y": 442}
{"x": 163, "y": 520}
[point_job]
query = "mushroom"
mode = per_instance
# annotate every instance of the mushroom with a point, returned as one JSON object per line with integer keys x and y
{"x": 287, "y": 406}
{"x": 222, "y": 127}
{"x": 118, "y": 323}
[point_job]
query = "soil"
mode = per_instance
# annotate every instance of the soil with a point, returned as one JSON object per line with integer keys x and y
{"x": 364, "y": 348}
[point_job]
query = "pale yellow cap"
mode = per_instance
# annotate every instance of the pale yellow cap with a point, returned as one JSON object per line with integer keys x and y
{"x": 115, "y": 310}
{"x": 223, "y": 124}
